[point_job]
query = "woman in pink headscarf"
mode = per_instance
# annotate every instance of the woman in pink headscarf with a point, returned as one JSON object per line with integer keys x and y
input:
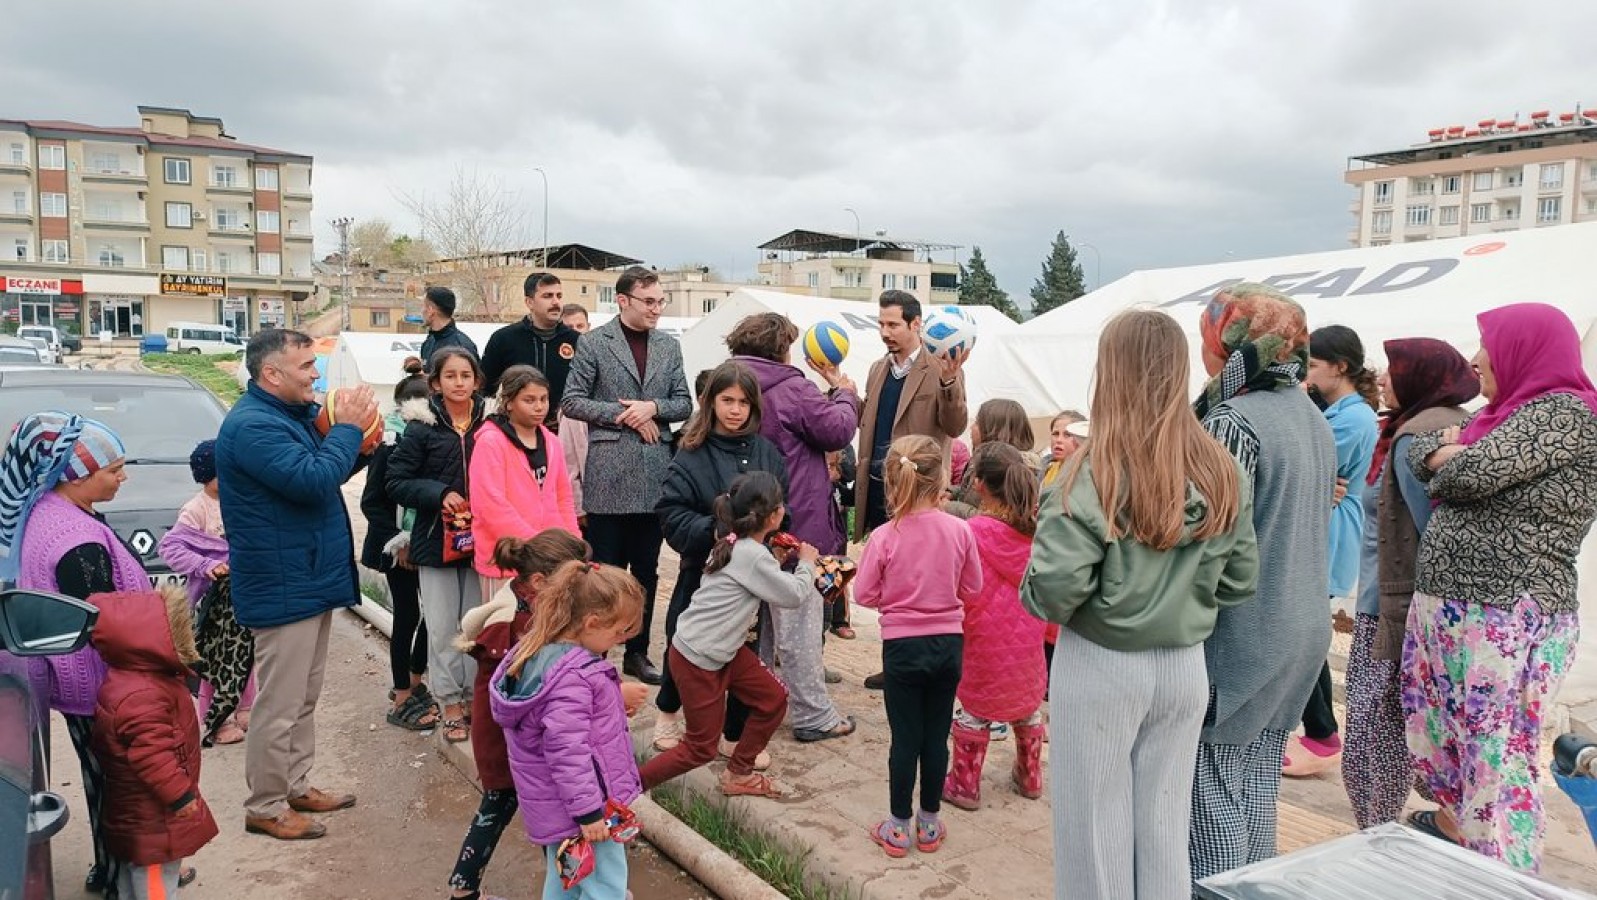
{"x": 1493, "y": 625}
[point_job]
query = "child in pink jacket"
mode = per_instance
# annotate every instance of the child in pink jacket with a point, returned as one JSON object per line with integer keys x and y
{"x": 518, "y": 481}
{"x": 1003, "y": 677}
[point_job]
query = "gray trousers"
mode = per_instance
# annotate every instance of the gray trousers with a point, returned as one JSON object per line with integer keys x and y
{"x": 446, "y": 595}
{"x": 1234, "y": 794}
{"x": 798, "y": 641}
{"x": 157, "y": 882}
{"x": 280, "y": 747}
{"x": 1125, "y": 731}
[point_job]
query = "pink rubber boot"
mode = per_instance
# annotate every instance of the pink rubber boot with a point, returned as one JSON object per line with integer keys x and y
{"x": 963, "y": 786}
{"x": 1027, "y": 774}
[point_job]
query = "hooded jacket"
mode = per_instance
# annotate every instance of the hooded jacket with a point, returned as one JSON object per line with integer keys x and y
{"x": 506, "y": 499}
{"x": 146, "y": 733}
{"x": 805, "y": 425}
{"x": 194, "y": 553}
{"x": 1004, "y": 676}
{"x": 1127, "y": 596}
{"x": 426, "y": 465}
{"x": 517, "y": 344}
{"x": 448, "y": 336}
{"x": 566, "y": 727}
{"x": 487, "y": 633}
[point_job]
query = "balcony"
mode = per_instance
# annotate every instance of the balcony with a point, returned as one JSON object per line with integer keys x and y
{"x": 9, "y": 166}
{"x": 1589, "y": 186}
{"x": 111, "y": 220}
{"x": 238, "y": 186}
{"x": 125, "y": 172}
{"x": 234, "y": 232}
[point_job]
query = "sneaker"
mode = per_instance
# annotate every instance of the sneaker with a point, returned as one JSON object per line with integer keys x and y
{"x": 893, "y": 839}
{"x": 875, "y": 682}
{"x": 999, "y": 731}
{"x": 929, "y": 834}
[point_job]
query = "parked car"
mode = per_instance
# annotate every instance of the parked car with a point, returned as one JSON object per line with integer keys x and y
{"x": 32, "y": 625}
{"x": 51, "y": 335}
{"x": 46, "y": 355}
{"x": 198, "y": 337}
{"x": 159, "y": 419}
{"x": 16, "y": 351}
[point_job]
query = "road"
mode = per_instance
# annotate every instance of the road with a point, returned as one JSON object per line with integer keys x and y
{"x": 399, "y": 842}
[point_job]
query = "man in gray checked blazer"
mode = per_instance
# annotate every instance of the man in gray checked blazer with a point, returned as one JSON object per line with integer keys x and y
{"x": 626, "y": 382}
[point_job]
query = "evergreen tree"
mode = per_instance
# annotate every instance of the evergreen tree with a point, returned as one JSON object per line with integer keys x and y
{"x": 1061, "y": 279}
{"x": 978, "y": 287}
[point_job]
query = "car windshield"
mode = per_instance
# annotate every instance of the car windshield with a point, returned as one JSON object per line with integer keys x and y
{"x": 156, "y": 424}
{"x": 16, "y": 355}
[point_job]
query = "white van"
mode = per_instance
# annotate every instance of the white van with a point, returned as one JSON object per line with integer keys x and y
{"x": 199, "y": 337}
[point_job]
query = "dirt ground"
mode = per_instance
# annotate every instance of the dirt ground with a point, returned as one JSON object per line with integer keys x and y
{"x": 399, "y": 842}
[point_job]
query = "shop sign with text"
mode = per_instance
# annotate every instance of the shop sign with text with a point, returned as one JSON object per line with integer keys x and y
{"x": 194, "y": 285}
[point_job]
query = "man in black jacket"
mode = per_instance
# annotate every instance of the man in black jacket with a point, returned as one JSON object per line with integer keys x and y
{"x": 539, "y": 340}
{"x": 438, "y": 312}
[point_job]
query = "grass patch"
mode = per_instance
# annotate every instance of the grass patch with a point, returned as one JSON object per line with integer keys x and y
{"x": 374, "y": 592}
{"x": 203, "y": 370}
{"x": 780, "y": 866}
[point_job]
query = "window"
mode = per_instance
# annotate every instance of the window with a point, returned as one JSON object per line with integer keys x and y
{"x": 1550, "y": 210}
{"x": 177, "y": 171}
{"x": 19, "y": 249}
{"x": 1514, "y": 179}
{"x": 197, "y": 261}
{"x": 1591, "y": 170}
{"x": 266, "y": 179}
{"x": 1552, "y": 176}
{"x": 1480, "y": 212}
{"x": 1450, "y": 184}
{"x": 607, "y": 299}
{"x": 269, "y": 263}
{"x": 1381, "y": 222}
{"x": 1510, "y": 213}
{"x": 1383, "y": 193}
{"x": 1417, "y": 216}
{"x": 229, "y": 219}
{"x": 815, "y": 279}
{"x": 266, "y": 221}
{"x": 911, "y": 282}
{"x": 175, "y": 259}
{"x": 708, "y": 305}
{"x": 380, "y": 318}
{"x": 52, "y": 156}
{"x": 224, "y": 261}
{"x": 1483, "y": 181}
{"x": 179, "y": 215}
{"x": 889, "y": 281}
{"x": 105, "y": 162}
{"x": 104, "y": 209}
{"x": 53, "y": 206}
{"x": 111, "y": 255}
{"x": 19, "y": 202}
{"x": 19, "y": 154}
{"x": 1421, "y": 187}
{"x": 1591, "y": 205}
{"x": 224, "y": 175}
{"x": 1447, "y": 215}
{"x": 853, "y": 278}
{"x": 54, "y": 251}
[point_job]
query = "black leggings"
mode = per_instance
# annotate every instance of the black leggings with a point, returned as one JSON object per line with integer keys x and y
{"x": 493, "y": 814}
{"x": 1319, "y": 719}
{"x": 407, "y": 648}
{"x": 921, "y": 677}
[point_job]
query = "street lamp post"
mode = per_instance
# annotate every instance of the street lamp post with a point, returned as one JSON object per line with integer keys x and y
{"x": 342, "y": 224}
{"x": 545, "y": 254}
{"x": 1097, "y": 264}
{"x": 856, "y": 225}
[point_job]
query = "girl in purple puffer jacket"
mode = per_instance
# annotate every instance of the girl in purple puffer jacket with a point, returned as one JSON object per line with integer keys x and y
{"x": 564, "y": 713}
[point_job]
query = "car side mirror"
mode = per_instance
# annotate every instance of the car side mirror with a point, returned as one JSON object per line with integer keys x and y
{"x": 33, "y": 623}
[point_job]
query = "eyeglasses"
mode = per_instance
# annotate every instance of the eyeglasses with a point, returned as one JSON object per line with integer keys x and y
{"x": 647, "y": 303}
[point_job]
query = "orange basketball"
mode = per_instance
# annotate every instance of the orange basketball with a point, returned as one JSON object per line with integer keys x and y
{"x": 373, "y": 429}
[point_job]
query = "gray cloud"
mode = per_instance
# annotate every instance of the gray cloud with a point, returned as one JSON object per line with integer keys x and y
{"x": 1161, "y": 132}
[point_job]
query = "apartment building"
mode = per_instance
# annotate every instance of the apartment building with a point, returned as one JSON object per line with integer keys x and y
{"x": 1497, "y": 175}
{"x": 126, "y": 229}
{"x": 855, "y": 267}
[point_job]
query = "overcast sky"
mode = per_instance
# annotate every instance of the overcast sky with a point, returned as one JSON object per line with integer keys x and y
{"x": 1162, "y": 133}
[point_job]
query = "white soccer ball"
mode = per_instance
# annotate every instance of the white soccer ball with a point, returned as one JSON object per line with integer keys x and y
{"x": 950, "y": 330}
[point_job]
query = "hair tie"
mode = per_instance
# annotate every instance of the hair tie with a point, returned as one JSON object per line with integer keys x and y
{"x": 731, "y": 538}
{"x": 906, "y": 462}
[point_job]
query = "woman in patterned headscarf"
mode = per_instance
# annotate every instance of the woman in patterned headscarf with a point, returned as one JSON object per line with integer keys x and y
{"x": 55, "y": 468}
{"x": 1263, "y": 656}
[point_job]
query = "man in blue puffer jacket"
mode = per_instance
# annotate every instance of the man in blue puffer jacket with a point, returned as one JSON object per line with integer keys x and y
{"x": 292, "y": 560}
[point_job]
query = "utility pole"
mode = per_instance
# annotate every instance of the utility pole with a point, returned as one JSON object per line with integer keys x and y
{"x": 342, "y": 225}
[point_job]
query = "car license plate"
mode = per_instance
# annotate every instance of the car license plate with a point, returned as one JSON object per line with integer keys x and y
{"x": 175, "y": 579}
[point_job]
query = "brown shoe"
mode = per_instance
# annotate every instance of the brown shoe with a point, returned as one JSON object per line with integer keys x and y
{"x": 289, "y": 826}
{"x": 317, "y": 800}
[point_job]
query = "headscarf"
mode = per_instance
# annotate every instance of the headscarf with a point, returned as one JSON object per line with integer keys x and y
{"x": 44, "y": 450}
{"x": 1425, "y": 373}
{"x": 1534, "y": 351}
{"x": 1263, "y": 336}
{"x": 202, "y": 462}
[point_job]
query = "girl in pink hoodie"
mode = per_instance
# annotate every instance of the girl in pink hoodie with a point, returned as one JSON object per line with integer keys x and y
{"x": 1003, "y": 678}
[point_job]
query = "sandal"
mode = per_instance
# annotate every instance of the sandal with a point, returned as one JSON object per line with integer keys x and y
{"x": 455, "y": 731}
{"x": 185, "y": 877}
{"x": 811, "y": 735}
{"x": 762, "y": 761}
{"x": 1424, "y": 821}
{"x": 227, "y": 733}
{"x": 844, "y": 632}
{"x": 751, "y": 785}
{"x": 413, "y": 714}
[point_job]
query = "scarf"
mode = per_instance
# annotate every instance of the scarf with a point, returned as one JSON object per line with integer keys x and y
{"x": 1262, "y": 335}
{"x": 1425, "y": 373}
{"x": 1534, "y": 351}
{"x": 44, "y": 450}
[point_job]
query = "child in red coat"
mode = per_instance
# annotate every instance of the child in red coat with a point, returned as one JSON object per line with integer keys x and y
{"x": 147, "y": 739}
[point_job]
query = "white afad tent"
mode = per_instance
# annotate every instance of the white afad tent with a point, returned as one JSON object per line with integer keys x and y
{"x": 704, "y": 345}
{"x": 1423, "y": 289}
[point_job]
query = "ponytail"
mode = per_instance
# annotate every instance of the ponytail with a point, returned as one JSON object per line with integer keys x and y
{"x": 741, "y": 512}
{"x": 1364, "y": 382}
{"x": 540, "y": 554}
{"x": 576, "y": 591}
{"x": 915, "y": 474}
{"x": 1008, "y": 480}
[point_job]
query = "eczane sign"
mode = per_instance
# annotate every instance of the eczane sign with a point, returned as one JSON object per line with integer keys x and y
{"x": 46, "y": 286}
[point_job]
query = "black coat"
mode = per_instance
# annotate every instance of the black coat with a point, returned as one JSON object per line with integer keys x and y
{"x": 517, "y": 344}
{"x": 696, "y": 478}
{"x": 380, "y": 511}
{"x": 429, "y": 462}
{"x": 448, "y": 336}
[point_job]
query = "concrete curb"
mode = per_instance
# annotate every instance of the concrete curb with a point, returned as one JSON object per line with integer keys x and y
{"x": 707, "y": 863}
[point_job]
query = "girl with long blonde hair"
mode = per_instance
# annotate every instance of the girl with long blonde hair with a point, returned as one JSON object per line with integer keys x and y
{"x": 1148, "y": 536}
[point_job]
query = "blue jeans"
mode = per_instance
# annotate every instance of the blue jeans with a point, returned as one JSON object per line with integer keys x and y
{"x": 608, "y": 881}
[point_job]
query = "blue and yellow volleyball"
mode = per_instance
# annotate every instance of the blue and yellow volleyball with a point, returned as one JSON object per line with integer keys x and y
{"x": 825, "y": 344}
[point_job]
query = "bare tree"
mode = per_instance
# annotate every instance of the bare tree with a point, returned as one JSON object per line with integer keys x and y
{"x": 469, "y": 228}
{"x": 374, "y": 243}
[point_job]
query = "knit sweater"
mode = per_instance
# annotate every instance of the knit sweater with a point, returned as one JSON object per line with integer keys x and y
{"x": 919, "y": 571}
{"x": 55, "y": 527}
{"x": 1265, "y": 655}
{"x": 1515, "y": 506}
